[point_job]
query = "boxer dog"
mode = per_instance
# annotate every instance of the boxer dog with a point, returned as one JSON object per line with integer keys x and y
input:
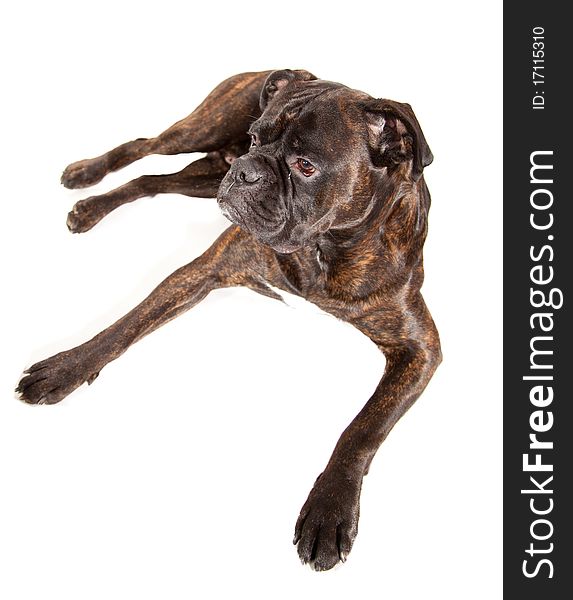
{"x": 324, "y": 186}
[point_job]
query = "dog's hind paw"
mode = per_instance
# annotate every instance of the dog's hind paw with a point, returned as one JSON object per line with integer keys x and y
{"x": 51, "y": 380}
{"x": 83, "y": 173}
{"x": 84, "y": 215}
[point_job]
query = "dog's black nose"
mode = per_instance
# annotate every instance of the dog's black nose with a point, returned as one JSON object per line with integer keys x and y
{"x": 247, "y": 172}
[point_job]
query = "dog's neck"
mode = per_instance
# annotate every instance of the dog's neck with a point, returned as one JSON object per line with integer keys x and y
{"x": 385, "y": 246}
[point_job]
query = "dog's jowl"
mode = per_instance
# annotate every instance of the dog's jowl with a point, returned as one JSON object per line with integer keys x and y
{"x": 324, "y": 186}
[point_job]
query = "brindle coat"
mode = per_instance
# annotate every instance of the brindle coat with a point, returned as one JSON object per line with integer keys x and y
{"x": 359, "y": 257}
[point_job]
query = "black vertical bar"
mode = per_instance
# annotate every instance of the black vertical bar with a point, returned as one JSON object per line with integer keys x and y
{"x": 538, "y": 263}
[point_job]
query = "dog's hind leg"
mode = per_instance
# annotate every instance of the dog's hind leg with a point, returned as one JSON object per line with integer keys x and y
{"x": 220, "y": 120}
{"x": 200, "y": 179}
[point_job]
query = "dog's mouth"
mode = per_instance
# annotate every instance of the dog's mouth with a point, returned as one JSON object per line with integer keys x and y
{"x": 285, "y": 247}
{"x": 275, "y": 237}
{"x": 229, "y": 211}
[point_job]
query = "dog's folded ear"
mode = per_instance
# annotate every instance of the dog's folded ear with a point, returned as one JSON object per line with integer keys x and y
{"x": 278, "y": 80}
{"x": 396, "y": 136}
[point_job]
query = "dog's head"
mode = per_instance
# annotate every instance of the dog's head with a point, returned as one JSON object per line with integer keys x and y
{"x": 319, "y": 154}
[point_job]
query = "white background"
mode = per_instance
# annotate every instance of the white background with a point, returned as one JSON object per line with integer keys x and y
{"x": 181, "y": 471}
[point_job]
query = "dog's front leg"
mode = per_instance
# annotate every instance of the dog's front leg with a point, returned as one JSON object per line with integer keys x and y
{"x": 234, "y": 259}
{"x": 328, "y": 522}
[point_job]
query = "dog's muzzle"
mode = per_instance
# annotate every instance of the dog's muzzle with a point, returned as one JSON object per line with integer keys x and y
{"x": 248, "y": 196}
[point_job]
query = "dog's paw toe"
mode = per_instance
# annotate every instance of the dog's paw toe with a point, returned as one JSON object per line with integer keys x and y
{"x": 324, "y": 546}
{"x": 51, "y": 380}
{"x": 38, "y": 387}
{"x": 76, "y": 220}
{"x": 74, "y": 223}
{"x": 326, "y": 529}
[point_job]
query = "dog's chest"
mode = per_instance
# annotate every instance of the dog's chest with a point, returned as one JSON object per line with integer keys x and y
{"x": 301, "y": 273}
{"x": 308, "y": 274}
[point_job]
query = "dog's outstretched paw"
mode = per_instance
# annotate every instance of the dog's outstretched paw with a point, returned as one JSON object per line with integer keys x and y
{"x": 328, "y": 523}
{"x": 83, "y": 173}
{"x": 51, "y": 380}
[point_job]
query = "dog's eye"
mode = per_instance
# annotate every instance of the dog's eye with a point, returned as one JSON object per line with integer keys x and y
{"x": 305, "y": 167}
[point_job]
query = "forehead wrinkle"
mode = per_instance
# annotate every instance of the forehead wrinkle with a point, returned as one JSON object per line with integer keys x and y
{"x": 328, "y": 120}
{"x": 308, "y": 108}
{"x": 278, "y": 116}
